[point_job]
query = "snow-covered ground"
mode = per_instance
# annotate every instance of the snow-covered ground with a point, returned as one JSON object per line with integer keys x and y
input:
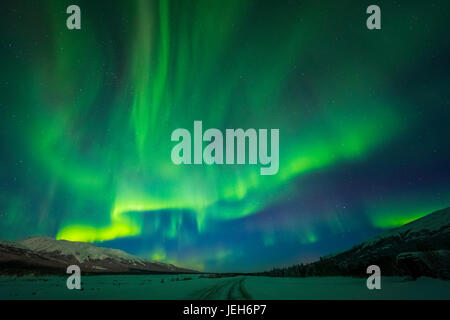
{"x": 242, "y": 287}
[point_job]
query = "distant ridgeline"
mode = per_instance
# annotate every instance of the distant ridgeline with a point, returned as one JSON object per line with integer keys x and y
{"x": 43, "y": 255}
{"x": 419, "y": 248}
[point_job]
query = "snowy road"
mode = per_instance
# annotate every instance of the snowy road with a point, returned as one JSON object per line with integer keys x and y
{"x": 229, "y": 289}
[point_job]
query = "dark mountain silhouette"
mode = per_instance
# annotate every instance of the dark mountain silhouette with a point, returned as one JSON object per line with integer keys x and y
{"x": 419, "y": 248}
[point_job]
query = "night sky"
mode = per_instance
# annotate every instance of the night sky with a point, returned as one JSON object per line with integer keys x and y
{"x": 86, "y": 120}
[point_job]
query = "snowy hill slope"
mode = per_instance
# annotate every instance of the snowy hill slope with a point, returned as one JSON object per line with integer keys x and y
{"x": 81, "y": 251}
{"x": 434, "y": 223}
{"x": 47, "y": 255}
{"x": 421, "y": 247}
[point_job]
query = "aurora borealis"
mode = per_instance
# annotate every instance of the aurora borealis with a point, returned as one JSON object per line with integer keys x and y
{"x": 87, "y": 116}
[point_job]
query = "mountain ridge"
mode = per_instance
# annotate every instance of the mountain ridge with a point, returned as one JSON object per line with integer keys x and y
{"x": 46, "y": 255}
{"x": 418, "y": 248}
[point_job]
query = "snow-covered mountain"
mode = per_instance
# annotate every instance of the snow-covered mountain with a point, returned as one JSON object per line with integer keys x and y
{"x": 421, "y": 229}
{"x": 47, "y": 255}
{"x": 81, "y": 251}
{"x": 421, "y": 247}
